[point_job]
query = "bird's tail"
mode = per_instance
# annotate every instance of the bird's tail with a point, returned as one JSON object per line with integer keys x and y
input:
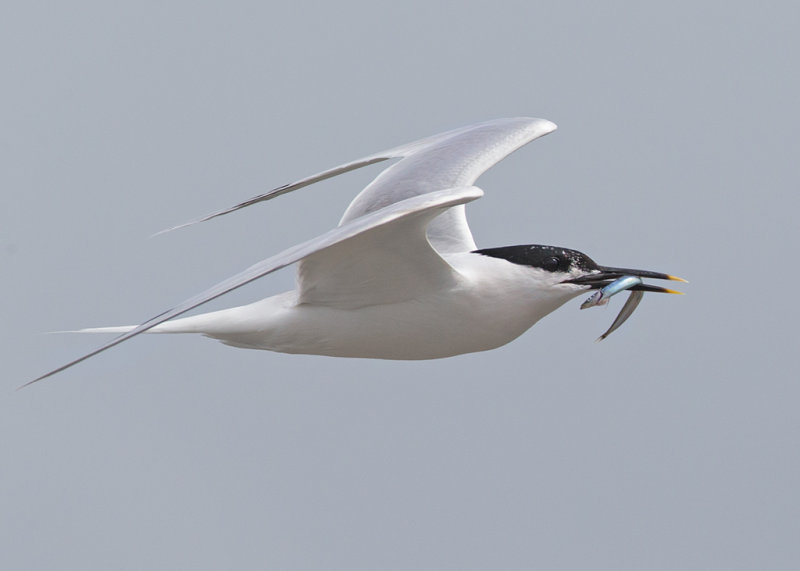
{"x": 117, "y": 329}
{"x": 167, "y": 327}
{"x": 203, "y": 323}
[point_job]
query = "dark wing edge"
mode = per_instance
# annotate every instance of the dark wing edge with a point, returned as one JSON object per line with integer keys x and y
{"x": 330, "y": 173}
{"x": 542, "y": 127}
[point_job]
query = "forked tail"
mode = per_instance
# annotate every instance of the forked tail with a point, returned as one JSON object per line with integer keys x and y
{"x": 117, "y": 329}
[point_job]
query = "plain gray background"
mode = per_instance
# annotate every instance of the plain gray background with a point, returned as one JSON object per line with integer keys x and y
{"x": 672, "y": 445}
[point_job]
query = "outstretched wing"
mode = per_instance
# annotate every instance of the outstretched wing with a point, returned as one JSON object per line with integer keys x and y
{"x": 447, "y": 160}
{"x": 409, "y": 217}
{"x": 452, "y": 159}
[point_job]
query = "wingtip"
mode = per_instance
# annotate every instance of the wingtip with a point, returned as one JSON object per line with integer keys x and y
{"x": 208, "y": 217}
{"x": 160, "y": 232}
{"x": 29, "y": 383}
{"x": 51, "y": 373}
{"x": 549, "y": 125}
{"x": 177, "y": 227}
{"x": 545, "y": 126}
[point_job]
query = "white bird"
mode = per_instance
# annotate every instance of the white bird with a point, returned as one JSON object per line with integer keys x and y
{"x": 400, "y": 277}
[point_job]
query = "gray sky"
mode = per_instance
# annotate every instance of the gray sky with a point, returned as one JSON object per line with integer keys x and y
{"x": 672, "y": 445}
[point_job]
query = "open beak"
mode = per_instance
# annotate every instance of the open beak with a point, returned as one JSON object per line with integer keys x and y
{"x": 606, "y": 275}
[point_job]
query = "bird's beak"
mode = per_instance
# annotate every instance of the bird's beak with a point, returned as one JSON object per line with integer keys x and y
{"x": 606, "y": 275}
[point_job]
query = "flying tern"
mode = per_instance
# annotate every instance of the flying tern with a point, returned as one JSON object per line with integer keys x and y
{"x": 401, "y": 276}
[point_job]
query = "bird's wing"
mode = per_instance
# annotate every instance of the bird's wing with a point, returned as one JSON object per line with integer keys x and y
{"x": 448, "y": 160}
{"x": 409, "y": 216}
{"x": 391, "y": 263}
{"x": 453, "y": 159}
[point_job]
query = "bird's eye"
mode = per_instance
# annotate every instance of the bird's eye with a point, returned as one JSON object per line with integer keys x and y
{"x": 551, "y": 264}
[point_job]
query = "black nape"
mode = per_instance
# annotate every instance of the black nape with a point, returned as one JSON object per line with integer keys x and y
{"x": 549, "y": 258}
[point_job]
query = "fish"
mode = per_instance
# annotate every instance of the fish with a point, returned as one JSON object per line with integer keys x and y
{"x": 601, "y": 297}
{"x": 630, "y": 305}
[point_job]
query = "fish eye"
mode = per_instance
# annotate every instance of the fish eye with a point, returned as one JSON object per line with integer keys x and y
{"x": 551, "y": 263}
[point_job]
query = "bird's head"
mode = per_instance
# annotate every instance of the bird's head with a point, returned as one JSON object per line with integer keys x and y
{"x": 572, "y": 270}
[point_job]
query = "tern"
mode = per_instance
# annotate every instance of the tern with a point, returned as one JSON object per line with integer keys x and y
{"x": 401, "y": 277}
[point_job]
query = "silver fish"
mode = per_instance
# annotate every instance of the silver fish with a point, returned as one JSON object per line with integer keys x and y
{"x": 633, "y": 300}
{"x": 602, "y": 296}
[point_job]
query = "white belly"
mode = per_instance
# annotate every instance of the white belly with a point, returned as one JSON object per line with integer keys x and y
{"x": 493, "y": 303}
{"x": 438, "y": 326}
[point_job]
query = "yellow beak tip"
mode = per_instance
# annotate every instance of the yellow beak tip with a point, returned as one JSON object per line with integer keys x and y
{"x": 677, "y": 279}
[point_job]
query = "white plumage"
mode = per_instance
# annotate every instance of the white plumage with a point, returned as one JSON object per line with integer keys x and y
{"x": 398, "y": 278}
